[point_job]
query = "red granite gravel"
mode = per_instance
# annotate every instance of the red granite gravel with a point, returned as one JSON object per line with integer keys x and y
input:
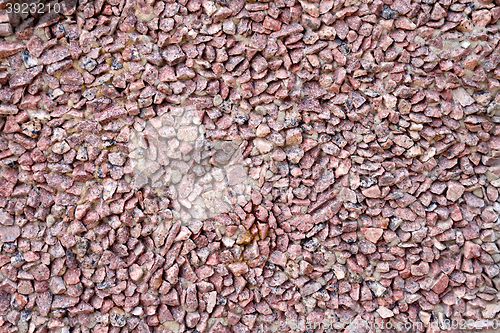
{"x": 236, "y": 166}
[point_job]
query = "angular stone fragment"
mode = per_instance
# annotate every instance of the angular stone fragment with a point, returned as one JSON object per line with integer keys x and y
{"x": 187, "y": 133}
{"x": 211, "y": 301}
{"x": 403, "y": 141}
{"x": 490, "y": 311}
{"x": 61, "y": 147}
{"x": 56, "y": 285}
{"x": 440, "y": 284}
{"x": 184, "y": 72}
{"x": 420, "y": 269}
{"x": 114, "y": 111}
{"x": 278, "y": 258}
{"x": 310, "y": 288}
{"x": 238, "y": 268}
{"x": 372, "y": 192}
{"x": 117, "y": 317}
{"x": 258, "y": 41}
{"x": 9, "y": 234}
{"x": 481, "y": 18}
{"x": 471, "y": 250}
{"x": 376, "y": 287}
{"x": 401, "y": 6}
{"x": 236, "y": 174}
{"x": 191, "y": 297}
{"x": 263, "y": 145}
{"x": 438, "y": 12}
{"x": 294, "y": 154}
{"x": 7, "y": 48}
{"x": 293, "y": 137}
{"x": 41, "y": 273}
{"x": 135, "y": 272}
{"x": 44, "y": 301}
{"x": 192, "y": 318}
{"x": 173, "y": 55}
{"x": 55, "y": 54}
{"x": 473, "y": 200}
{"x": 405, "y": 24}
{"x": 64, "y": 301}
{"x": 385, "y": 312}
{"x": 24, "y": 77}
{"x": 167, "y": 74}
{"x": 462, "y": 96}
{"x": 71, "y": 77}
{"x": 372, "y": 234}
{"x": 455, "y": 191}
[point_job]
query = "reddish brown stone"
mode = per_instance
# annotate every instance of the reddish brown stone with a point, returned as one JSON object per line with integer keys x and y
{"x": 471, "y": 250}
{"x": 24, "y": 77}
{"x": 238, "y": 268}
{"x": 55, "y": 54}
{"x": 9, "y": 233}
{"x": 41, "y": 273}
{"x": 440, "y": 284}
{"x": 372, "y": 234}
{"x": 8, "y": 48}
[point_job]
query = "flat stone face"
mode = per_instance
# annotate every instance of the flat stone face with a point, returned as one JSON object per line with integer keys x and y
{"x": 462, "y": 96}
{"x": 441, "y": 284}
{"x": 372, "y": 192}
{"x": 9, "y": 233}
{"x": 238, "y": 268}
{"x": 310, "y": 288}
{"x": 173, "y": 55}
{"x": 385, "y": 312}
{"x": 24, "y": 77}
{"x": 55, "y": 54}
{"x": 372, "y": 234}
{"x": 455, "y": 191}
{"x": 41, "y": 273}
{"x": 403, "y": 141}
{"x": 8, "y": 48}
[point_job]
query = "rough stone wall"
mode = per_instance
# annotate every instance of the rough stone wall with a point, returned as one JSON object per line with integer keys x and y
{"x": 237, "y": 166}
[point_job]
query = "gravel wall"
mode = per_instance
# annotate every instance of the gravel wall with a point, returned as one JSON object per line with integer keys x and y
{"x": 237, "y": 166}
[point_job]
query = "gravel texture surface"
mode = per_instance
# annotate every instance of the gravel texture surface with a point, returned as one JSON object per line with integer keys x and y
{"x": 236, "y": 166}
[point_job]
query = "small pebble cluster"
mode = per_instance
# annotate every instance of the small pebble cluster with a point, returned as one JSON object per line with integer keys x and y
{"x": 234, "y": 166}
{"x": 171, "y": 155}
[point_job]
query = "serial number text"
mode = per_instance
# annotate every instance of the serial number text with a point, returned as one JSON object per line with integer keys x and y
{"x": 33, "y": 8}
